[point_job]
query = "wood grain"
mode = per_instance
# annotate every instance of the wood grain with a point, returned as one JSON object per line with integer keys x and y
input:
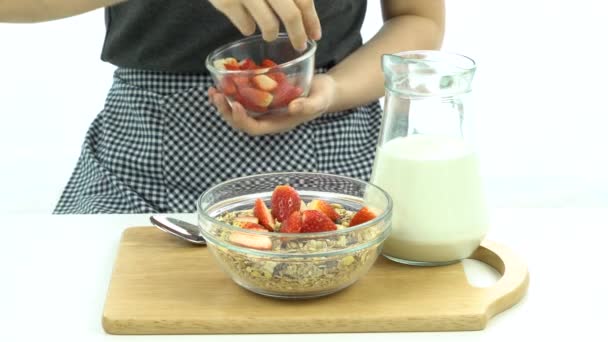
{"x": 161, "y": 285}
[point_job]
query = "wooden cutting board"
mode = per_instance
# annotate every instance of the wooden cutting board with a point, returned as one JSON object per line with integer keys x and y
{"x": 162, "y": 285}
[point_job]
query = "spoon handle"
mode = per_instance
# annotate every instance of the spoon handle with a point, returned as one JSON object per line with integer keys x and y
{"x": 178, "y": 228}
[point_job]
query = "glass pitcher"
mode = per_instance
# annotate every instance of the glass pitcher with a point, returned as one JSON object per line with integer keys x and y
{"x": 426, "y": 159}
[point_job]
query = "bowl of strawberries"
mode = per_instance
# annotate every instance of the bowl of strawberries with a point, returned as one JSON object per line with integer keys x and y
{"x": 264, "y": 77}
{"x": 295, "y": 234}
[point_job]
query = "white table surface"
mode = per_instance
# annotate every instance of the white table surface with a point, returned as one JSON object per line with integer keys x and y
{"x": 55, "y": 272}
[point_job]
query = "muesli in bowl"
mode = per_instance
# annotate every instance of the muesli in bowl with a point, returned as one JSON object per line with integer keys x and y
{"x": 295, "y": 235}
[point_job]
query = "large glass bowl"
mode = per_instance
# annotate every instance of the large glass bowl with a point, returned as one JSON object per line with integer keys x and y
{"x": 296, "y": 68}
{"x": 298, "y": 265}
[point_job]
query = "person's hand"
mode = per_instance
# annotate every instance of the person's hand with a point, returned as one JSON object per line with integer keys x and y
{"x": 301, "y": 110}
{"x": 298, "y": 16}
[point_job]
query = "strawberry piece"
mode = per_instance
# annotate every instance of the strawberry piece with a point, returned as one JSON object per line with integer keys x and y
{"x": 284, "y": 94}
{"x": 362, "y": 216}
{"x": 293, "y": 224}
{"x": 252, "y": 219}
{"x": 231, "y": 64}
{"x": 257, "y": 97}
{"x": 247, "y": 225}
{"x": 268, "y": 63}
{"x": 249, "y": 106}
{"x": 264, "y": 82}
{"x": 248, "y": 64}
{"x": 241, "y": 81}
{"x": 261, "y": 211}
{"x": 278, "y": 76}
{"x": 221, "y": 62}
{"x": 227, "y": 86}
{"x": 251, "y": 240}
{"x": 254, "y": 99}
{"x": 325, "y": 208}
{"x": 285, "y": 200}
{"x": 315, "y": 221}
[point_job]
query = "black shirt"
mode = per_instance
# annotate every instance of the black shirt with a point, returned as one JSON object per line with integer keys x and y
{"x": 177, "y": 35}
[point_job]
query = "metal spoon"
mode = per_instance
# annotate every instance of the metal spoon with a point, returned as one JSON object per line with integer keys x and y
{"x": 181, "y": 229}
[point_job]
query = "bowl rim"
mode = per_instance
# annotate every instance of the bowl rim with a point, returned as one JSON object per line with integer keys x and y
{"x": 311, "y": 47}
{"x": 381, "y": 217}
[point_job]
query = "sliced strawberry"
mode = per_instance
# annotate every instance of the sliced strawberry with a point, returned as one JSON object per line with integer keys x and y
{"x": 241, "y": 81}
{"x": 255, "y": 96}
{"x": 231, "y": 64}
{"x": 268, "y": 63}
{"x": 264, "y": 82}
{"x": 251, "y": 219}
{"x": 251, "y": 240}
{"x": 362, "y": 216}
{"x": 278, "y": 76}
{"x": 227, "y": 86}
{"x": 253, "y": 99}
{"x": 247, "y": 225}
{"x": 248, "y": 64}
{"x": 261, "y": 211}
{"x": 249, "y": 105}
{"x": 221, "y": 62}
{"x": 325, "y": 208}
{"x": 315, "y": 221}
{"x": 293, "y": 224}
{"x": 285, "y": 200}
{"x": 284, "y": 94}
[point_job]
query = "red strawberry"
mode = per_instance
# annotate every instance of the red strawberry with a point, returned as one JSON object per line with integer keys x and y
{"x": 285, "y": 200}
{"x": 260, "y": 210}
{"x": 293, "y": 224}
{"x": 227, "y": 86}
{"x": 252, "y": 219}
{"x": 247, "y": 225}
{"x": 315, "y": 221}
{"x": 278, "y": 76}
{"x": 325, "y": 208}
{"x": 241, "y": 81}
{"x": 268, "y": 63}
{"x": 362, "y": 216}
{"x": 264, "y": 82}
{"x": 284, "y": 94}
{"x": 248, "y": 64}
{"x": 253, "y": 99}
{"x": 251, "y": 240}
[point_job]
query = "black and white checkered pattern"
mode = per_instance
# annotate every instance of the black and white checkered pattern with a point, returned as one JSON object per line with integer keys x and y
{"x": 158, "y": 144}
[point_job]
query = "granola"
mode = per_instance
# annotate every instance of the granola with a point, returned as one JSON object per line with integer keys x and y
{"x": 308, "y": 271}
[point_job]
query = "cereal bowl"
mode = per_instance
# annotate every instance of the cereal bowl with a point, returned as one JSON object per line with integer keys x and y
{"x": 295, "y": 265}
{"x": 264, "y": 77}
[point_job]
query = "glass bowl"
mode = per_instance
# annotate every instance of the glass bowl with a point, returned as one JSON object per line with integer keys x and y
{"x": 266, "y": 90}
{"x": 295, "y": 265}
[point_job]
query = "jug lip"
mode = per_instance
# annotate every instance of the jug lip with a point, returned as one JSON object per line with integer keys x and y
{"x": 450, "y": 74}
{"x": 458, "y": 61}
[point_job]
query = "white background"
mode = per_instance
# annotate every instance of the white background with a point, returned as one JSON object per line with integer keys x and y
{"x": 540, "y": 95}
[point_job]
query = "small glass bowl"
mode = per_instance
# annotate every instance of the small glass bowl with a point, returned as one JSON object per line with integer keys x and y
{"x": 296, "y": 67}
{"x": 298, "y": 265}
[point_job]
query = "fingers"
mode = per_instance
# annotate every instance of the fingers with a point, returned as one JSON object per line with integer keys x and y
{"x": 291, "y": 16}
{"x": 319, "y": 100}
{"x": 321, "y": 95}
{"x": 237, "y": 14}
{"x": 298, "y": 16}
{"x": 264, "y": 17}
{"x": 312, "y": 25}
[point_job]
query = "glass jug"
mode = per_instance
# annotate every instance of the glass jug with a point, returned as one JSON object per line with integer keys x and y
{"x": 426, "y": 159}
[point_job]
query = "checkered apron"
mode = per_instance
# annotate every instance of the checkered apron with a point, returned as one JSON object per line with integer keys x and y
{"x": 158, "y": 144}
